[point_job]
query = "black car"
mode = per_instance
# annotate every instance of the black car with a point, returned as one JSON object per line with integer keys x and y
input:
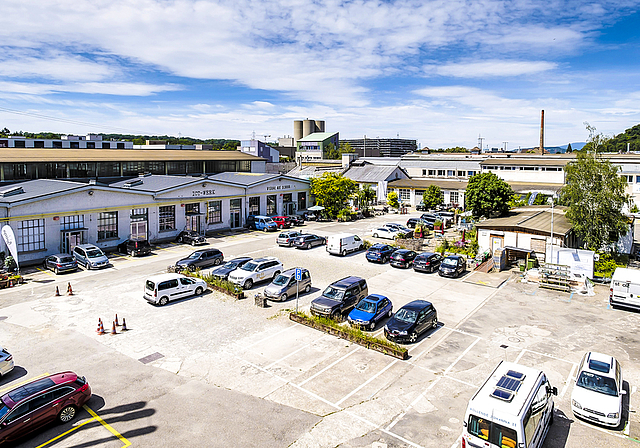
{"x": 60, "y": 263}
{"x": 453, "y": 266}
{"x": 340, "y": 297}
{"x": 379, "y": 253}
{"x": 191, "y": 237}
{"x": 421, "y": 207}
{"x": 202, "y": 258}
{"x": 402, "y": 258}
{"x": 411, "y": 223}
{"x": 135, "y": 247}
{"x": 308, "y": 241}
{"x": 427, "y": 262}
{"x": 410, "y": 321}
{"x": 223, "y": 271}
{"x": 296, "y": 220}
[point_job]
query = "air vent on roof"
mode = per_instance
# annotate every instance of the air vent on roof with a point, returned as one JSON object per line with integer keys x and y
{"x": 133, "y": 183}
{"x": 11, "y": 192}
{"x": 144, "y": 174}
{"x": 508, "y": 386}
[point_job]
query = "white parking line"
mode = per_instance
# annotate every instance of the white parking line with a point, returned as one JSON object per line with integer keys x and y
{"x": 329, "y": 366}
{"x": 522, "y": 352}
{"x": 293, "y": 353}
{"x": 566, "y": 385}
{"x": 461, "y": 356}
{"x": 366, "y": 382}
{"x": 270, "y": 336}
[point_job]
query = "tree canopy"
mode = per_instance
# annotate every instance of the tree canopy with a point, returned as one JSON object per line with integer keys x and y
{"x": 487, "y": 195}
{"x": 432, "y": 197}
{"x": 332, "y": 191}
{"x": 595, "y": 195}
{"x": 392, "y": 199}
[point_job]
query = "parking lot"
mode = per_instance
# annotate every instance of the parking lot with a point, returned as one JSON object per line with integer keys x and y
{"x": 213, "y": 371}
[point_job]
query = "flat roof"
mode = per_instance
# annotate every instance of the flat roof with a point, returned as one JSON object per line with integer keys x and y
{"x": 317, "y": 137}
{"x": 18, "y": 155}
{"x": 531, "y": 219}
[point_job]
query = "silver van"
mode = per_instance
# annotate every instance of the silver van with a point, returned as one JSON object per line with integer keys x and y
{"x": 90, "y": 256}
{"x": 285, "y": 285}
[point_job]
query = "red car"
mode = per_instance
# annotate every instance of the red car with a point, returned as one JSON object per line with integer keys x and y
{"x": 283, "y": 222}
{"x": 33, "y": 405}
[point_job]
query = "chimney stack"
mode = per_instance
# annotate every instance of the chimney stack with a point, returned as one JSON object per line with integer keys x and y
{"x": 542, "y": 132}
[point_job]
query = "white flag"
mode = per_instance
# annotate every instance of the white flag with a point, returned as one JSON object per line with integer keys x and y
{"x": 10, "y": 240}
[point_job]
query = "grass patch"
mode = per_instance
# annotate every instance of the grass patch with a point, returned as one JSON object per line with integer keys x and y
{"x": 212, "y": 280}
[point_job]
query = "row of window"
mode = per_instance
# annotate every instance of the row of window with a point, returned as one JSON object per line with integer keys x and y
{"x": 449, "y": 173}
{"x": 522, "y": 168}
{"x": 404, "y": 195}
{"x": 58, "y": 144}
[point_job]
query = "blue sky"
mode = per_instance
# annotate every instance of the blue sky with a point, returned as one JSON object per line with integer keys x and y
{"x": 441, "y": 72}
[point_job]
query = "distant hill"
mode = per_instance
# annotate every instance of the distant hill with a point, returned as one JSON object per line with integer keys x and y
{"x": 629, "y": 139}
{"x": 574, "y": 146}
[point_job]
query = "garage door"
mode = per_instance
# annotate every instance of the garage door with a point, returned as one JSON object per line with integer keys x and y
{"x": 540, "y": 248}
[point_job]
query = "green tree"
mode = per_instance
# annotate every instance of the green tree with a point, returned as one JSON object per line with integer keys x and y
{"x": 345, "y": 148}
{"x": 331, "y": 152}
{"x": 332, "y": 191}
{"x": 569, "y": 149}
{"x": 487, "y": 194}
{"x": 596, "y": 142}
{"x": 366, "y": 195}
{"x": 392, "y": 199}
{"x": 432, "y": 197}
{"x": 595, "y": 195}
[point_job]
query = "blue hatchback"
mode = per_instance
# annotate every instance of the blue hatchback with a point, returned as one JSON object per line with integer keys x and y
{"x": 380, "y": 253}
{"x": 369, "y": 311}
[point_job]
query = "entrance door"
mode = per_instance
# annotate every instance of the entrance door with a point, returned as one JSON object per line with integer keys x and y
{"x": 71, "y": 240}
{"x": 235, "y": 213}
{"x": 139, "y": 230}
{"x": 235, "y": 220}
{"x": 496, "y": 243}
{"x": 193, "y": 223}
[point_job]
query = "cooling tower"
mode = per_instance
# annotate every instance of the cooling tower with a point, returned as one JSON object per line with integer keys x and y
{"x": 319, "y": 125}
{"x": 297, "y": 130}
{"x": 308, "y": 127}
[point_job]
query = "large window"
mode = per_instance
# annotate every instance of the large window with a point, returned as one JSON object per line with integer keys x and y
{"x": 167, "y": 217}
{"x": 72, "y": 222}
{"x": 454, "y": 197}
{"x": 214, "y": 212}
{"x": 254, "y": 205}
{"x": 31, "y": 235}
{"x": 107, "y": 225}
{"x": 404, "y": 194}
{"x": 271, "y": 204}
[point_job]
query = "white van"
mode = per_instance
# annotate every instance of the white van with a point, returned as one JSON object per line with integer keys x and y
{"x": 162, "y": 288}
{"x": 625, "y": 288}
{"x": 512, "y": 409}
{"x": 343, "y": 243}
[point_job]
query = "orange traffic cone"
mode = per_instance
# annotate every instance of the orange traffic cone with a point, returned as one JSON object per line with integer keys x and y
{"x": 100, "y": 329}
{"x": 57, "y": 292}
{"x": 69, "y": 290}
{"x": 113, "y": 329}
{"x": 117, "y": 323}
{"x": 124, "y": 325}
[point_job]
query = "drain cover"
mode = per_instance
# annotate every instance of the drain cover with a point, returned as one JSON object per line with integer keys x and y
{"x": 150, "y": 358}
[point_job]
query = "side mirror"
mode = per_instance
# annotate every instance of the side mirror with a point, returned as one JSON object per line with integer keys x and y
{"x": 623, "y": 392}
{"x": 554, "y": 391}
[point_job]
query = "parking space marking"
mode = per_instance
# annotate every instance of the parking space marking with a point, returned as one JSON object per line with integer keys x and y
{"x": 604, "y": 430}
{"x": 293, "y": 353}
{"x": 13, "y": 386}
{"x": 354, "y": 391}
{"x": 461, "y": 356}
{"x": 66, "y": 432}
{"x": 520, "y": 355}
{"x": 45, "y": 271}
{"x": 270, "y": 336}
{"x": 566, "y": 385}
{"x": 329, "y": 366}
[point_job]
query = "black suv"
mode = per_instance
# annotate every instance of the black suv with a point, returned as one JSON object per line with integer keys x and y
{"x": 411, "y": 321}
{"x": 427, "y": 262}
{"x": 340, "y": 297}
{"x": 200, "y": 259}
{"x": 135, "y": 247}
{"x": 453, "y": 266}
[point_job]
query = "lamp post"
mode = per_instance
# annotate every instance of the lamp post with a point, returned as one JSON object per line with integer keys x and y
{"x": 364, "y": 150}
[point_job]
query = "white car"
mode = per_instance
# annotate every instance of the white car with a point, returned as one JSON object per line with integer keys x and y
{"x": 384, "y": 232}
{"x": 162, "y": 288}
{"x": 6, "y": 362}
{"x": 597, "y": 394}
{"x": 254, "y": 271}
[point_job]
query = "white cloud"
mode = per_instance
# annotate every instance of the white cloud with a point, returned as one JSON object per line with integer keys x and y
{"x": 490, "y": 68}
{"x": 104, "y": 88}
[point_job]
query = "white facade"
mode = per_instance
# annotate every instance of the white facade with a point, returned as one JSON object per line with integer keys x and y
{"x": 64, "y": 142}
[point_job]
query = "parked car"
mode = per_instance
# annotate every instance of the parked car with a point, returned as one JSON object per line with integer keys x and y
{"x": 296, "y": 220}
{"x": 344, "y": 243}
{"x": 283, "y": 222}
{"x": 384, "y": 232}
{"x": 285, "y": 285}
{"x": 309, "y": 216}
{"x": 286, "y": 238}
{"x": 202, "y": 258}
{"x": 40, "y": 402}
{"x": 260, "y": 222}
{"x": 427, "y": 262}
{"x": 597, "y": 394}
{"x": 308, "y": 241}
{"x": 191, "y": 237}
{"x": 60, "y": 263}
{"x": 379, "y": 253}
{"x": 369, "y": 311}
{"x": 6, "y": 362}
{"x": 421, "y": 207}
{"x": 402, "y": 258}
{"x": 393, "y": 225}
{"x": 223, "y": 271}
{"x": 162, "y": 288}
{"x": 410, "y": 321}
{"x": 452, "y": 266}
{"x": 254, "y": 271}
{"x": 90, "y": 256}
{"x": 429, "y": 218}
{"x": 339, "y": 297}
{"x": 411, "y": 222}
{"x": 134, "y": 248}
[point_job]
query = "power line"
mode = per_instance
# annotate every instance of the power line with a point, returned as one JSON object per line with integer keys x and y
{"x": 70, "y": 121}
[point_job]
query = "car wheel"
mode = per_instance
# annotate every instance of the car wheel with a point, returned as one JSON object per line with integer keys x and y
{"x": 413, "y": 337}
{"x": 216, "y": 262}
{"x": 336, "y": 316}
{"x": 284, "y": 297}
{"x": 372, "y": 325}
{"x": 67, "y": 414}
{"x": 390, "y": 313}
{"x": 199, "y": 290}
{"x": 247, "y": 284}
{"x": 384, "y": 260}
{"x": 180, "y": 240}
{"x": 56, "y": 271}
{"x": 308, "y": 246}
{"x": 551, "y": 417}
{"x": 163, "y": 301}
{"x": 193, "y": 242}
{"x": 375, "y": 235}
{"x": 307, "y": 289}
{"x": 275, "y": 274}
{"x": 265, "y": 229}
{"x": 344, "y": 253}
{"x": 87, "y": 266}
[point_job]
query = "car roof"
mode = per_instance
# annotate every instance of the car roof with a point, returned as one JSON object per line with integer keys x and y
{"x": 263, "y": 259}
{"x": 240, "y": 259}
{"x": 426, "y": 254}
{"x": 60, "y": 255}
{"x": 87, "y": 246}
{"x": 292, "y": 271}
{"x": 166, "y": 276}
{"x": 379, "y": 246}
{"x": 375, "y": 297}
{"x": 417, "y": 305}
{"x": 346, "y": 282}
{"x": 599, "y": 363}
{"x": 404, "y": 251}
{"x": 454, "y": 256}
{"x": 36, "y": 386}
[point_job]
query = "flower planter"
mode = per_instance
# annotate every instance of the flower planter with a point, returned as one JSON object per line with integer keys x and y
{"x": 396, "y": 352}
{"x": 237, "y": 296}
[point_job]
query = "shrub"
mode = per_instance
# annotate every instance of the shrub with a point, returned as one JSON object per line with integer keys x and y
{"x": 366, "y": 244}
{"x": 607, "y": 264}
{"x": 215, "y": 281}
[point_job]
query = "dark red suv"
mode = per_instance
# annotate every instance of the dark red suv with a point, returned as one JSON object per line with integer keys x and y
{"x": 33, "y": 405}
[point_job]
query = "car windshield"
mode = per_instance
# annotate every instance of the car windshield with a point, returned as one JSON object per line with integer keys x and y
{"x": 249, "y": 266}
{"x": 597, "y": 383}
{"x": 268, "y": 220}
{"x": 94, "y": 253}
{"x": 333, "y": 293}
{"x": 195, "y": 255}
{"x": 449, "y": 262}
{"x": 406, "y": 315}
{"x": 366, "y": 306}
{"x": 286, "y": 235}
{"x": 281, "y": 280}
{"x": 66, "y": 259}
{"x": 231, "y": 264}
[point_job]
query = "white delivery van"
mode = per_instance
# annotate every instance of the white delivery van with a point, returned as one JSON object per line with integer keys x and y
{"x": 512, "y": 409}
{"x": 625, "y": 288}
{"x": 343, "y": 243}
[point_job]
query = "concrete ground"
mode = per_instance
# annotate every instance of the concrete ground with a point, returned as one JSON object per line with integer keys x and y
{"x": 213, "y": 371}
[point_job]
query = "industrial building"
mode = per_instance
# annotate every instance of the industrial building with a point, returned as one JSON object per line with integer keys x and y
{"x": 381, "y": 147}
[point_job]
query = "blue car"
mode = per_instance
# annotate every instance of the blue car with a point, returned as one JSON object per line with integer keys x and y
{"x": 379, "y": 253}
{"x": 369, "y": 311}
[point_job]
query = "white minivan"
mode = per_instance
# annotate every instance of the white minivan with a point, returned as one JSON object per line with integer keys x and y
{"x": 512, "y": 409}
{"x": 343, "y": 243}
{"x": 162, "y": 288}
{"x": 625, "y": 288}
